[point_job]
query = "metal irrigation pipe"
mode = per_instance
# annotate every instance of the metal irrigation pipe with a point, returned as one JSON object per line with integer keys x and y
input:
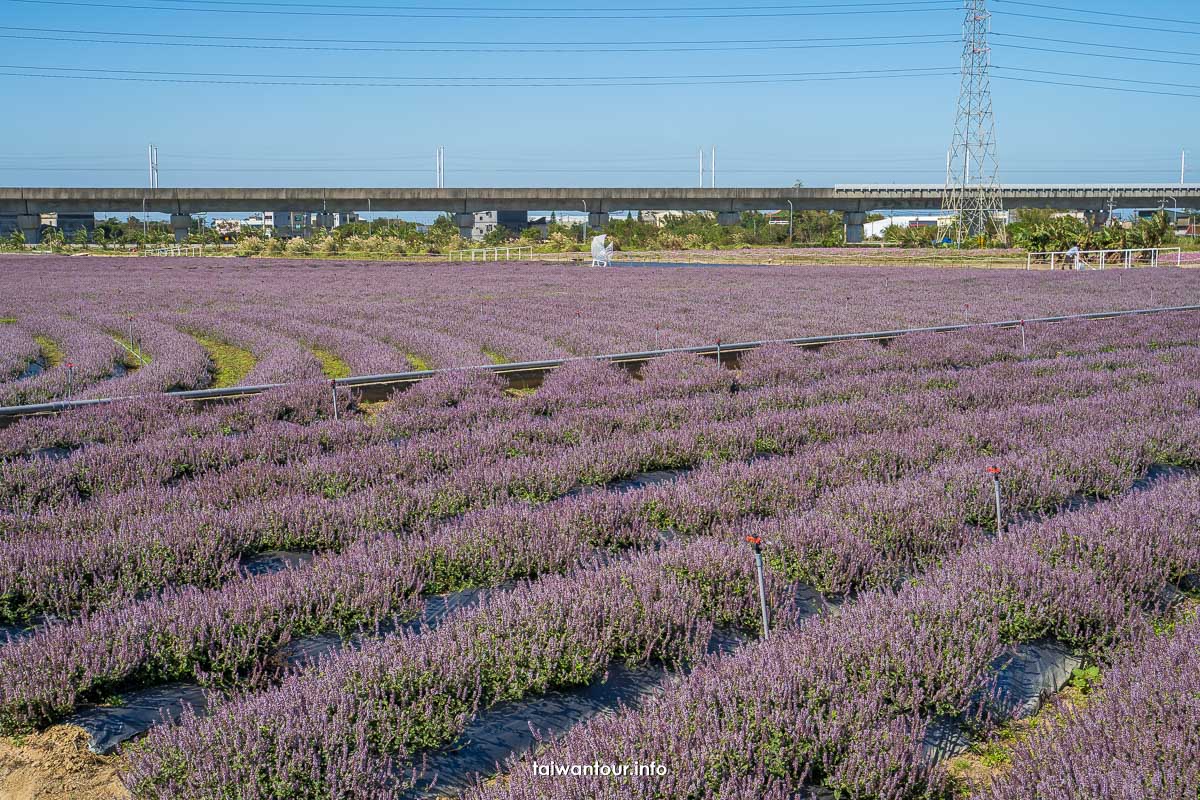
{"x": 536, "y": 368}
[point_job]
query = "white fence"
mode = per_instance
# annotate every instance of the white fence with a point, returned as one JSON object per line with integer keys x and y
{"x": 176, "y": 250}
{"x": 1105, "y": 259}
{"x": 493, "y": 254}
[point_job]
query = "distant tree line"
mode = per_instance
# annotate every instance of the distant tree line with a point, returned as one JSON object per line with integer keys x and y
{"x": 1034, "y": 230}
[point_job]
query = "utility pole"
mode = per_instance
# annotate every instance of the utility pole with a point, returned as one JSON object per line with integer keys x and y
{"x": 713, "y": 167}
{"x": 1183, "y": 168}
{"x": 972, "y": 187}
{"x": 152, "y": 156}
{"x": 701, "y": 167}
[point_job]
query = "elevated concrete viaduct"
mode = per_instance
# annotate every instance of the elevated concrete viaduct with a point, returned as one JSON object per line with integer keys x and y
{"x": 855, "y": 201}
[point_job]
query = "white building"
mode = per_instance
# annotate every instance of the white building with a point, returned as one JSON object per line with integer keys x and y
{"x": 874, "y": 230}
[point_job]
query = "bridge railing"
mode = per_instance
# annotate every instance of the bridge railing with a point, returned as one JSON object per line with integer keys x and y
{"x": 493, "y": 254}
{"x": 1108, "y": 259}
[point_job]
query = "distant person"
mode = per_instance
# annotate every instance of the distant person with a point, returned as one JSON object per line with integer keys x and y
{"x": 1073, "y": 255}
{"x": 602, "y": 251}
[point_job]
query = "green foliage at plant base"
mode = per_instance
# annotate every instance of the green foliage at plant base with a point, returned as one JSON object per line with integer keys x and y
{"x": 331, "y": 365}
{"x": 52, "y": 354}
{"x": 231, "y": 364}
{"x": 1085, "y": 678}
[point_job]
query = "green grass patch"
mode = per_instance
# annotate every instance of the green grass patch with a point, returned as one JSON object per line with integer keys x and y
{"x": 495, "y": 357}
{"x": 7, "y": 320}
{"x": 417, "y": 362}
{"x": 230, "y": 364}
{"x": 129, "y": 358}
{"x": 331, "y": 365}
{"x": 52, "y": 354}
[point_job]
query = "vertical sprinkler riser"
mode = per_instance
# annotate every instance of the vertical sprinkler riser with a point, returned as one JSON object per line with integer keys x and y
{"x": 333, "y": 389}
{"x": 995, "y": 473}
{"x": 756, "y": 543}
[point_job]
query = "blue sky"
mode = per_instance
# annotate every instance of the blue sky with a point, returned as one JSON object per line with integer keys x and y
{"x": 773, "y": 132}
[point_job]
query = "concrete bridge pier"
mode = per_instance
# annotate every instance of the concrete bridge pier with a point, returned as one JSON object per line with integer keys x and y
{"x": 855, "y": 221}
{"x": 597, "y": 219}
{"x": 1097, "y": 220}
{"x": 182, "y": 225}
{"x": 729, "y": 218}
{"x": 31, "y": 226}
{"x": 465, "y": 220}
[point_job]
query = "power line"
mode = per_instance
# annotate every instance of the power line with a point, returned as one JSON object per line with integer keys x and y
{"x": 468, "y": 42}
{"x": 369, "y": 46}
{"x": 1121, "y": 26}
{"x": 857, "y": 9}
{"x": 1077, "y": 43}
{"x": 1172, "y": 169}
{"x": 743, "y": 157}
{"x": 1093, "y": 77}
{"x": 249, "y": 79}
{"x": 532, "y": 9}
{"x": 1123, "y": 89}
{"x": 1111, "y": 56}
{"x": 461, "y": 78}
{"x": 1088, "y": 11}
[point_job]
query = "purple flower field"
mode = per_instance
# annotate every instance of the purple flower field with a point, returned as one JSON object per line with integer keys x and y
{"x": 377, "y": 317}
{"x": 359, "y": 597}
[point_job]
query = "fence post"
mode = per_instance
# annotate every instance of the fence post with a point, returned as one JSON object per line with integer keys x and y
{"x": 756, "y": 543}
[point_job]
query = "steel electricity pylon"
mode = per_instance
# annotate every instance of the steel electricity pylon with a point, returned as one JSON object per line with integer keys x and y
{"x": 972, "y": 186}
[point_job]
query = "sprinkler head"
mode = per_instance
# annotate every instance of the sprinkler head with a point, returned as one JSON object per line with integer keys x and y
{"x": 993, "y": 470}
